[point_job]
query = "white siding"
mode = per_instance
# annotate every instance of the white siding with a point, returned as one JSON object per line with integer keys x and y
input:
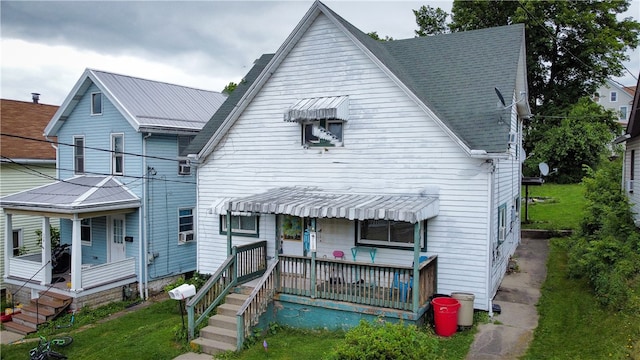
{"x": 634, "y": 197}
{"x": 390, "y": 146}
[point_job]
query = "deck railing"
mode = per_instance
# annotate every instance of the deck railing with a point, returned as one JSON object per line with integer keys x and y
{"x": 360, "y": 283}
{"x": 256, "y": 304}
{"x": 245, "y": 263}
{"x": 105, "y": 273}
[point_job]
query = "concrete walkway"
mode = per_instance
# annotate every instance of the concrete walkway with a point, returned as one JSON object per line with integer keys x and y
{"x": 510, "y": 334}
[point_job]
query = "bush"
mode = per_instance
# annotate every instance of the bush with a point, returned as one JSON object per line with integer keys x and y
{"x": 606, "y": 251}
{"x": 385, "y": 340}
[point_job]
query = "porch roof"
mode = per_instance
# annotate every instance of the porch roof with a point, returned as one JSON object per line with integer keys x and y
{"x": 76, "y": 195}
{"x": 315, "y": 202}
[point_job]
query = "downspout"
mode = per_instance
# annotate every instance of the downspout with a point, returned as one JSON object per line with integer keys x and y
{"x": 143, "y": 222}
{"x": 491, "y": 180}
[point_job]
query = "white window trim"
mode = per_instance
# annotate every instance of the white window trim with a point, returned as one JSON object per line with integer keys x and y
{"x": 20, "y": 241}
{"x": 93, "y": 112}
{"x": 182, "y": 235}
{"x": 387, "y": 243}
{"x": 90, "y": 226}
{"x": 113, "y": 153}
{"x": 75, "y": 157}
{"x": 613, "y": 96}
{"x": 240, "y": 232}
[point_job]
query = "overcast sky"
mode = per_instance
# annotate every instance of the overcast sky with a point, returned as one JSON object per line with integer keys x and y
{"x": 45, "y": 46}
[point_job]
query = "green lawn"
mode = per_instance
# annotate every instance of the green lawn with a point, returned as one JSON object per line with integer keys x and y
{"x": 554, "y": 207}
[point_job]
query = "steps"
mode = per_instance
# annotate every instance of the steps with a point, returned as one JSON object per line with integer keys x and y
{"x": 38, "y": 311}
{"x": 221, "y": 333}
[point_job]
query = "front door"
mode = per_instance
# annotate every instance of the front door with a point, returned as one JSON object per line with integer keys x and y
{"x": 116, "y": 238}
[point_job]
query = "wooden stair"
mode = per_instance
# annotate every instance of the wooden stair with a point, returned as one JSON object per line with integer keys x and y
{"x": 39, "y": 311}
{"x": 221, "y": 333}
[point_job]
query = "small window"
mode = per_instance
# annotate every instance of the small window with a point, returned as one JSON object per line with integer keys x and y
{"x": 623, "y": 113}
{"x": 322, "y": 133}
{"x": 614, "y": 96}
{"x": 502, "y": 223}
{"x": 18, "y": 243}
{"x": 184, "y": 167}
{"x": 117, "y": 154}
{"x": 85, "y": 231}
{"x": 185, "y": 226}
{"x": 96, "y": 104}
{"x": 240, "y": 225}
{"x": 78, "y": 155}
{"x": 387, "y": 233}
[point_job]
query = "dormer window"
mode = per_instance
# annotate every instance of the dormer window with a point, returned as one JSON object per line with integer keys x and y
{"x": 321, "y": 119}
{"x": 96, "y": 104}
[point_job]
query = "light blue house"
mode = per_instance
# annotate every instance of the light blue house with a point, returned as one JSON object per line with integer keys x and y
{"x": 125, "y": 199}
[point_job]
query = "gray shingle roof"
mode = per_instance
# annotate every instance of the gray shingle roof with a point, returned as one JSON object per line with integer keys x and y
{"x": 454, "y": 75}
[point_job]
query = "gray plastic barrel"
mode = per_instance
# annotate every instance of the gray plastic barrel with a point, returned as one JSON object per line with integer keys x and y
{"x": 465, "y": 313}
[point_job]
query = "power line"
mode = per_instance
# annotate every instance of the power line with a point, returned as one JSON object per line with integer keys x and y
{"x": 88, "y": 147}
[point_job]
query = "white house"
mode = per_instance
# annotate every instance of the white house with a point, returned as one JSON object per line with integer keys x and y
{"x": 631, "y": 162}
{"x": 614, "y": 96}
{"x": 384, "y": 152}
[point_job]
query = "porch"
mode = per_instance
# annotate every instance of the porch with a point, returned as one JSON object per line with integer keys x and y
{"x": 323, "y": 287}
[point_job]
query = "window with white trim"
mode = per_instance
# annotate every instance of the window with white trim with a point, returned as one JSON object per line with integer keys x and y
{"x": 85, "y": 231}
{"x": 614, "y": 96}
{"x": 184, "y": 167}
{"x": 78, "y": 155}
{"x": 117, "y": 154}
{"x": 502, "y": 223}
{"x": 240, "y": 225}
{"x": 96, "y": 104}
{"x": 18, "y": 242}
{"x": 185, "y": 225}
{"x": 623, "y": 113}
{"x": 388, "y": 233}
{"x": 322, "y": 133}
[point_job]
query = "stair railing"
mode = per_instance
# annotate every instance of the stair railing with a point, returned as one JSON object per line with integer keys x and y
{"x": 13, "y": 294}
{"x": 256, "y": 304}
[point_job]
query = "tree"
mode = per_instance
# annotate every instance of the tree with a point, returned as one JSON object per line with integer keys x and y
{"x": 228, "y": 89}
{"x": 431, "y": 21}
{"x": 375, "y": 36}
{"x": 581, "y": 138}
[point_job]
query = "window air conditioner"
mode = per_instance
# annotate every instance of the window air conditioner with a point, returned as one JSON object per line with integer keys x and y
{"x": 185, "y": 236}
{"x": 502, "y": 233}
{"x": 513, "y": 137}
{"x": 185, "y": 169}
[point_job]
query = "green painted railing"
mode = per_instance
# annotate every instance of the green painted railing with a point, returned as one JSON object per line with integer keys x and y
{"x": 245, "y": 263}
{"x": 256, "y": 304}
{"x": 359, "y": 283}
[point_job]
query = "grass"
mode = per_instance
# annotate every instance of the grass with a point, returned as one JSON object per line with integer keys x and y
{"x": 561, "y": 207}
{"x": 573, "y": 326}
{"x": 147, "y": 333}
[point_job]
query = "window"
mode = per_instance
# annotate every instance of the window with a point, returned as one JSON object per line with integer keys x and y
{"x": 502, "y": 223}
{"x": 18, "y": 243}
{"x": 322, "y": 133}
{"x": 96, "y": 104}
{"x": 85, "y": 231}
{"x": 184, "y": 167}
{"x": 185, "y": 225}
{"x": 623, "y": 113}
{"x": 596, "y": 97}
{"x": 240, "y": 225}
{"x": 117, "y": 154}
{"x": 614, "y": 96}
{"x": 387, "y": 233}
{"x": 78, "y": 155}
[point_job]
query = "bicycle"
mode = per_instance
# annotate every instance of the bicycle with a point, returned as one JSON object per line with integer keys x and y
{"x": 44, "y": 352}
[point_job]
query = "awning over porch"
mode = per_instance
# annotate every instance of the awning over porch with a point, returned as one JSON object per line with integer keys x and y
{"x": 76, "y": 195}
{"x": 314, "y": 202}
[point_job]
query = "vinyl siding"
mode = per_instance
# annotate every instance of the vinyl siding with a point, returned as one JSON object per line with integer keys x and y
{"x": 390, "y": 146}
{"x": 634, "y": 197}
{"x": 15, "y": 178}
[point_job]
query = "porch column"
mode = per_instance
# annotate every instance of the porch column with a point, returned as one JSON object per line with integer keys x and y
{"x": 8, "y": 242}
{"x": 415, "y": 294}
{"x": 46, "y": 251}
{"x": 228, "y": 220}
{"x": 312, "y": 247}
{"x": 76, "y": 255}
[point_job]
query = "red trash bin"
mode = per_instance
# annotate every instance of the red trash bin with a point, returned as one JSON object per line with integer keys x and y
{"x": 445, "y": 312}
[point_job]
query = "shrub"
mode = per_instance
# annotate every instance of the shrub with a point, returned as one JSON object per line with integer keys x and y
{"x": 384, "y": 340}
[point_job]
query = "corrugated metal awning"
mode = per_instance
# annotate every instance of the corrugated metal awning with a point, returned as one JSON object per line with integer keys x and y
{"x": 313, "y": 202}
{"x": 79, "y": 194}
{"x": 323, "y": 108}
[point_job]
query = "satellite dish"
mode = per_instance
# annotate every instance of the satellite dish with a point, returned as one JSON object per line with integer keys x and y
{"x": 500, "y": 96}
{"x": 544, "y": 168}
